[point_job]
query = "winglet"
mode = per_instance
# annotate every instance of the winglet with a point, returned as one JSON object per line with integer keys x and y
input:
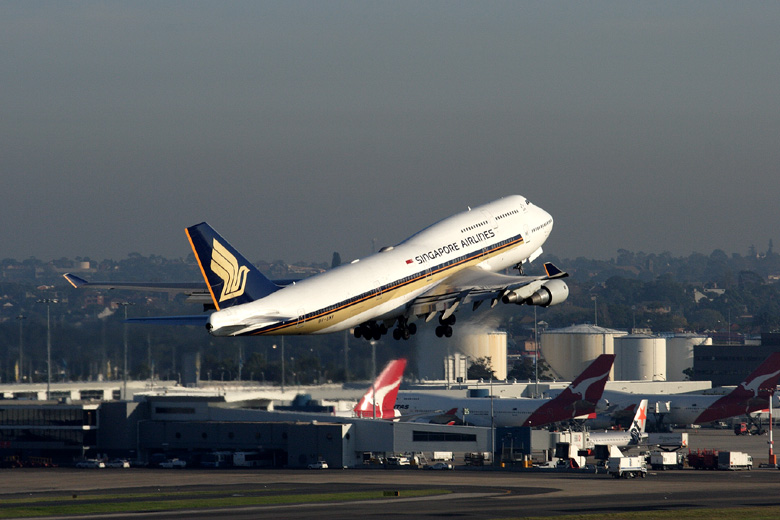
{"x": 385, "y": 388}
{"x": 553, "y": 271}
{"x": 74, "y": 280}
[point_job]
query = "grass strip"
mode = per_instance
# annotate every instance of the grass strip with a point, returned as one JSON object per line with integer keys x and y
{"x": 736, "y": 513}
{"x": 115, "y": 506}
{"x": 160, "y": 495}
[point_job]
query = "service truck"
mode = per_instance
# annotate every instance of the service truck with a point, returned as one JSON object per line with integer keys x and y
{"x": 732, "y": 460}
{"x": 627, "y": 467}
{"x": 667, "y": 460}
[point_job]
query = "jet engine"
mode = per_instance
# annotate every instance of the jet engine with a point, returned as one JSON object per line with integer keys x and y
{"x": 551, "y": 293}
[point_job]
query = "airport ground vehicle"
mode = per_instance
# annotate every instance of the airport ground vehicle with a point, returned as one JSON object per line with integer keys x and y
{"x": 440, "y": 466}
{"x": 320, "y": 464}
{"x": 667, "y": 460}
{"x": 733, "y": 460}
{"x": 173, "y": 463}
{"x": 627, "y": 467}
{"x": 398, "y": 461}
{"x": 118, "y": 463}
{"x": 217, "y": 459}
{"x": 477, "y": 458}
{"x": 90, "y": 463}
{"x": 703, "y": 459}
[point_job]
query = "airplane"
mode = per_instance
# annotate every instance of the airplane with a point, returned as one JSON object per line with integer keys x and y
{"x": 379, "y": 401}
{"x": 749, "y": 396}
{"x": 623, "y": 439}
{"x": 581, "y": 397}
{"x": 432, "y": 274}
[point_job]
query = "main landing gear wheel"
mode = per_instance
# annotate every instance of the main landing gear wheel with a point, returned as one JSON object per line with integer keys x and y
{"x": 404, "y": 330}
{"x": 445, "y": 327}
{"x": 371, "y": 330}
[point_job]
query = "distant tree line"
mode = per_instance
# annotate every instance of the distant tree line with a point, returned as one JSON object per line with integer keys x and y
{"x": 698, "y": 293}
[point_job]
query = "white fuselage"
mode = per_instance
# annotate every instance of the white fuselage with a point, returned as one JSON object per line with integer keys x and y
{"x": 493, "y": 237}
{"x": 477, "y": 411}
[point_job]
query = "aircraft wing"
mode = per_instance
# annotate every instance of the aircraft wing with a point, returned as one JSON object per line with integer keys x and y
{"x": 474, "y": 285}
{"x": 197, "y": 292}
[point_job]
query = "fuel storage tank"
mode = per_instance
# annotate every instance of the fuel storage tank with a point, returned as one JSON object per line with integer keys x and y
{"x": 640, "y": 357}
{"x": 449, "y": 358}
{"x": 570, "y": 350}
{"x": 679, "y": 354}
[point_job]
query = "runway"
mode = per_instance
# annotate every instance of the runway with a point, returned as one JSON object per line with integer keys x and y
{"x": 465, "y": 493}
{"x": 471, "y": 494}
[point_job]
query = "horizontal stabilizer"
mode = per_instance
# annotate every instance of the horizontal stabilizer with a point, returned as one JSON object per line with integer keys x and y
{"x": 195, "y": 319}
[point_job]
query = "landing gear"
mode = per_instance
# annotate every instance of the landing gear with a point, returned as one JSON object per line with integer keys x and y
{"x": 444, "y": 330}
{"x": 370, "y": 330}
{"x": 404, "y": 330}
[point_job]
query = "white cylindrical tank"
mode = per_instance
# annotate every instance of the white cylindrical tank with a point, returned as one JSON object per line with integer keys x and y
{"x": 640, "y": 357}
{"x": 679, "y": 354}
{"x": 439, "y": 358}
{"x": 570, "y": 350}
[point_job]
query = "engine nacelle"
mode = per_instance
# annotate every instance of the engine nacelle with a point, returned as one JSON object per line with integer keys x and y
{"x": 551, "y": 293}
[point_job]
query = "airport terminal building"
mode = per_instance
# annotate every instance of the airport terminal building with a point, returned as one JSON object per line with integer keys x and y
{"x": 194, "y": 428}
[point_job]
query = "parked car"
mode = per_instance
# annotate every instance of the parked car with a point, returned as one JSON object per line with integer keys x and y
{"x": 90, "y": 463}
{"x": 440, "y": 466}
{"x": 118, "y": 463}
{"x": 320, "y": 464}
{"x": 173, "y": 463}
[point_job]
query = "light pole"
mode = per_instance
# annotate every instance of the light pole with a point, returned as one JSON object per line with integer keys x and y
{"x": 20, "y": 377}
{"x": 124, "y": 375}
{"x": 282, "y": 344}
{"x": 48, "y": 302}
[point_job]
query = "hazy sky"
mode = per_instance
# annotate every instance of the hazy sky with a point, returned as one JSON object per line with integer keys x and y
{"x": 301, "y": 128}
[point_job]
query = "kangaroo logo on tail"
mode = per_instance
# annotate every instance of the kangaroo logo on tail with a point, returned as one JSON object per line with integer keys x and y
{"x": 381, "y": 397}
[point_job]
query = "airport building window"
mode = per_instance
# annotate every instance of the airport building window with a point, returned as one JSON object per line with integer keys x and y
{"x": 425, "y": 436}
{"x": 174, "y": 410}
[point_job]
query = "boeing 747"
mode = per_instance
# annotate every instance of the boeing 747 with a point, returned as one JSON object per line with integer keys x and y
{"x": 429, "y": 276}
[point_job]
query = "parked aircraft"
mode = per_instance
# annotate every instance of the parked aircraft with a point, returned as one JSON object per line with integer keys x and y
{"x": 379, "y": 401}
{"x": 749, "y": 396}
{"x": 622, "y": 439}
{"x": 430, "y": 275}
{"x": 581, "y": 397}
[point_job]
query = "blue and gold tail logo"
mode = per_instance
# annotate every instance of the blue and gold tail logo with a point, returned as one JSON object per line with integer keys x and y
{"x": 225, "y": 265}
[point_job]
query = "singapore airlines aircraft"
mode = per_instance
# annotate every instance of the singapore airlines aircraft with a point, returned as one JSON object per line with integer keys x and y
{"x": 430, "y": 275}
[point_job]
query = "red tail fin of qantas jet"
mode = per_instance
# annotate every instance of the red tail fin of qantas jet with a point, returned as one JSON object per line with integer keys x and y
{"x": 750, "y": 395}
{"x": 385, "y": 389}
{"x": 579, "y": 398}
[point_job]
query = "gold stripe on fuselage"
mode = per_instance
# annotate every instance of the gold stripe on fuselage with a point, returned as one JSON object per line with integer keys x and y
{"x": 349, "y": 309}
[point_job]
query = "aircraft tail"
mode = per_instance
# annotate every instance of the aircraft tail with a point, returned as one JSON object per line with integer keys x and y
{"x": 762, "y": 382}
{"x": 589, "y": 385}
{"x": 231, "y": 278}
{"x": 380, "y": 398}
{"x": 640, "y": 421}
{"x": 581, "y": 397}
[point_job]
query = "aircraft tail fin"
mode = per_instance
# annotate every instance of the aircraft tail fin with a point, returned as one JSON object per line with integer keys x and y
{"x": 380, "y": 398}
{"x": 231, "y": 278}
{"x": 581, "y": 397}
{"x": 589, "y": 385}
{"x": 640, "y": 420}
{"x": 762, "y": 381}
